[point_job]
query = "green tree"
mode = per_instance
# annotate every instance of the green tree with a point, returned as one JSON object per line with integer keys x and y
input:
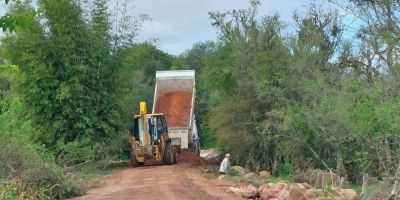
{"x": 67, "y": 72}
{"x": 137, "y": 78}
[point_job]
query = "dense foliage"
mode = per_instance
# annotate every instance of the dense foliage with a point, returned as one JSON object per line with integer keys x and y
{"x": 307, "y": 100}
{"x": 69, "y": 86}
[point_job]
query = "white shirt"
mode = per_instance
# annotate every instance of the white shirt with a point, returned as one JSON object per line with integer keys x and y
{"x": 224, "y": 165}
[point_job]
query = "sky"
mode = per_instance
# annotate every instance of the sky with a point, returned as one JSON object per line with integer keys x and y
{"x": 178, "y": 24}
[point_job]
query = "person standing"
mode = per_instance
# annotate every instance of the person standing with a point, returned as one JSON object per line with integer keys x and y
{"x": 224, "y": 164}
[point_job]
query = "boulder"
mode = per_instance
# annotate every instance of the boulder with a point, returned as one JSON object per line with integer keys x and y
{"x": 349, "y": 194}
{"x": 209, "y": 154}
{"x": 249, "y": 192}
{"x": 275, "y": 190}
{"x": 250, "y": 175}
{"x": 265, "y": 175}
{"x": 263, "y": 191}
{"x": 312, "y": 193}
{"x": 221, "y": 177}
{"x": 296, "y": 185}
{"x": 326, "y": 198}
{"x": 307, "y": 186}
{"x": 283, "y": 194}
{"x": 239, "y": 169}
{"x": 296, "y": 193}
{"x": 272, "y": 191}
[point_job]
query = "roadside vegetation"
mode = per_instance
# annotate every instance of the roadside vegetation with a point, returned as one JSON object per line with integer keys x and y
{"x": 277, "y": 99}
{"x": 311, "y": 99}
{"x": 69, "y": 84}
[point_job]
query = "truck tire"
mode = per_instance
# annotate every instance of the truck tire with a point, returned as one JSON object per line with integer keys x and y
{"x": 175, "y": 154}
{"x": 134, "y": 162}
{"x": 195, "y": 147}
{"x": 168, "y": 154}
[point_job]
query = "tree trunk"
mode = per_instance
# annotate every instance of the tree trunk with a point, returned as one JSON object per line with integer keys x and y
{"x": 363, "y": 194}
{"x": 395, "y": 190}
{"x": 388, "y": 156}
{"x": 341, "y": 171}
{"x": 342, "y": 181}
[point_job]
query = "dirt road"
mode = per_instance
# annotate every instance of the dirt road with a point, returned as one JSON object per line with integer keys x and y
{"x": 181, "y": 181}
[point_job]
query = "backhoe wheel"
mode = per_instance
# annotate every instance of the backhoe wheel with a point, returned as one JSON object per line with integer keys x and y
{"x": 168, "y": 156}
{"x": 134, "y": 162}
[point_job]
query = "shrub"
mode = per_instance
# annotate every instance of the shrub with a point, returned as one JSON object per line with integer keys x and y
{"x": 17, "y": 189}
{"x": 26, "y": 173}
{"x": 285, "y": 170}
{"x": 328, "y": 191}
{"x": 232, "y": 172}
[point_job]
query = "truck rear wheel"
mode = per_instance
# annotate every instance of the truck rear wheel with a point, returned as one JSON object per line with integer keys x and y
{"x": 195, "y": 147}
{"x": 175, "y": 154}
{"x": 168, "y": 155}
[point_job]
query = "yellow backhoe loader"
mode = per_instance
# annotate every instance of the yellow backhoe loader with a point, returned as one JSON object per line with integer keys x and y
{"x": 149, "y": 139}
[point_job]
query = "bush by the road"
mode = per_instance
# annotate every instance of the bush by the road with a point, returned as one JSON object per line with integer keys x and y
{"x": 26, "y": 174}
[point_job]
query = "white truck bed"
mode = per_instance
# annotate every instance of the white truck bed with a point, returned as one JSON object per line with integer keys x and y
{"x": 179, "y": 111}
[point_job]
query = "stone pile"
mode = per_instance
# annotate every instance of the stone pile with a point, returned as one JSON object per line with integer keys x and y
{"x": 292, "y": 191}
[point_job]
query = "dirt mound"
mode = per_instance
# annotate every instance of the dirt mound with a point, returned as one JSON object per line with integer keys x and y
{"x": 176, "y": 107}
{"x": 188, "y": 156}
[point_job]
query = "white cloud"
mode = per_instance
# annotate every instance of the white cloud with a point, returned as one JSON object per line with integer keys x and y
{"x": 179, "y": 23}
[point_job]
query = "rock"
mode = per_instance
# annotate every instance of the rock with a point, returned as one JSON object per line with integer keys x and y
{"x": 312, "y": 193}
{"x": 296, "y": 193}
{"x": 275, "y": 190}
{"x": 253, "y": 190}
{"x": 209, "y": 154}
{"x": 307, "y": 186}
{"x": 283, "y": 194}
{"x": 249, "y": 192}
{"x": 239, "y": 169}
{"x": 326, "y": 198}
{"x": 263, "y": 191}
{"x": 265, "y": 175}
{"x": 271, "y": 191}
{"x": 338, "y": 193}
{"x": 296, "y": 185}
{"x": 221, "y": 177}
{"x": 250, "y": 175}
{"x": 349, "y": 194}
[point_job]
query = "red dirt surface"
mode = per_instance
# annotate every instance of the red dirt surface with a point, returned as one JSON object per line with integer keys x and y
{"x": 176, "y": 107}
{"x": 167, "y": 182}
{"x": 189, "y": 157}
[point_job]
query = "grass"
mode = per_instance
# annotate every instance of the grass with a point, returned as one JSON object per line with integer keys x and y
{"x": 328, "y": 191}
{"x": 257, "y": 181}
{"x": 276, "y": 180}
{"x": 89, "y": 173}
{"x": 232, "y": 172}
{"x": 374, "y": 190}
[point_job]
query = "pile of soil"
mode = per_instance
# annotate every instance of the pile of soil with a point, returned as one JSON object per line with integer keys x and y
{"x": 176, "y": 107}
{"x": 188, "y": 156}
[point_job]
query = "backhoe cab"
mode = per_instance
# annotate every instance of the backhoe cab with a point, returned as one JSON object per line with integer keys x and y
{"x": 149, "y": 139}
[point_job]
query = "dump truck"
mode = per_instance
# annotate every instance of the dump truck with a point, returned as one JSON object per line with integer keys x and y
{"x": 174, "y": 96}
{"x": 149, "y": 139}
